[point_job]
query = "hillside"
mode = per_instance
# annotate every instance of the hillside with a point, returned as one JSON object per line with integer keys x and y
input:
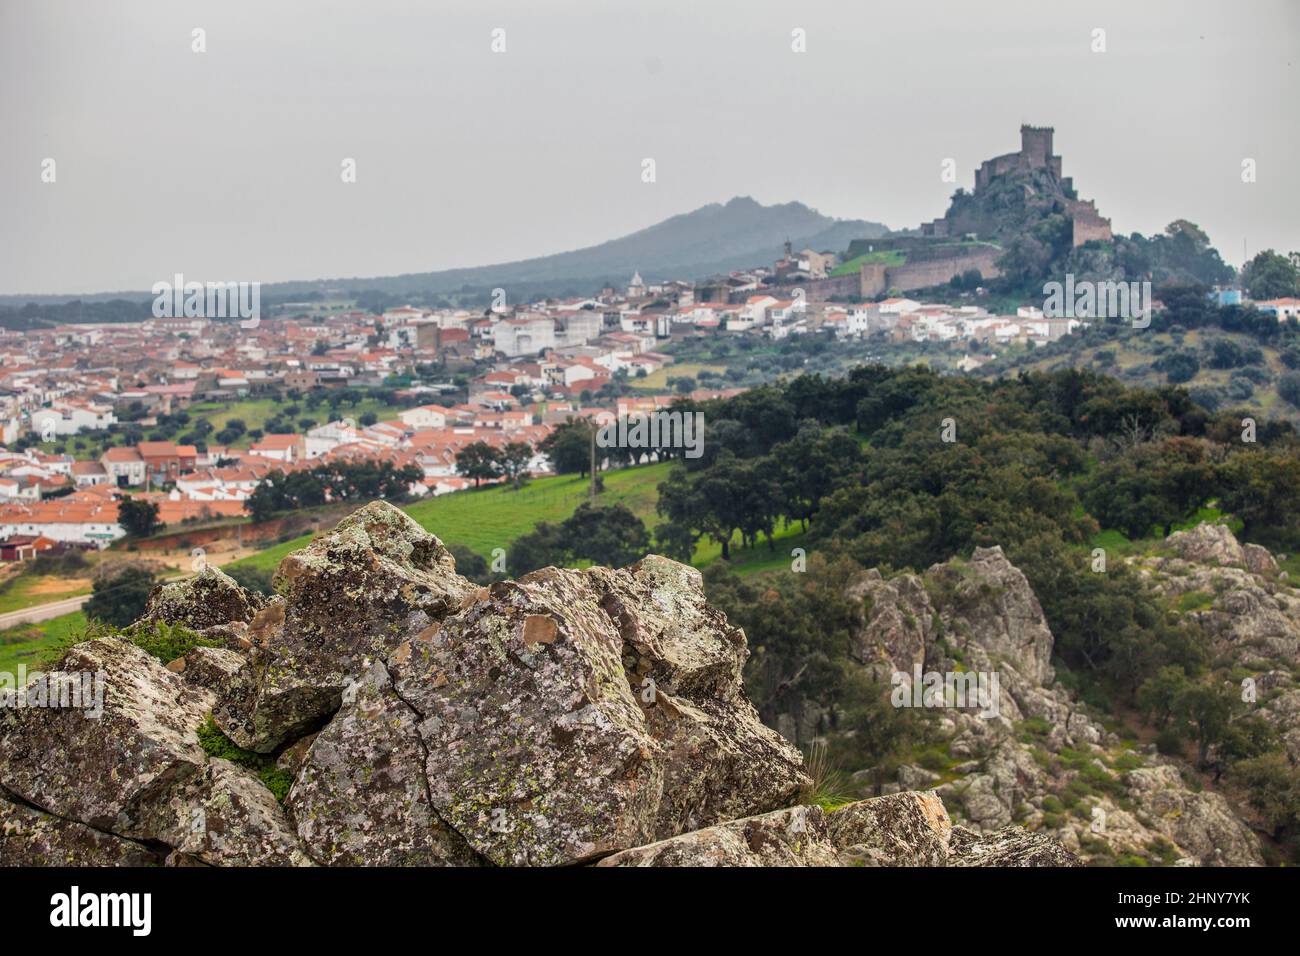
{"x": 1227, "y": 369}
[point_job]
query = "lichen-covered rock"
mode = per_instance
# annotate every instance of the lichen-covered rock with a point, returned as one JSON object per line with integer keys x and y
{"x": 1259, "y": 560}
{"x": 537, "y": 748}
{"x": 351, "y": 594}
{"x": 260, "y": 713}
{"x": 208, "y": 599}
{"x": 796, "y": 836}
{"x": 350, "y": 597}
{"x": 987, "y": 602}
{"x": 223, "y": 816}
{"x": 360, "y": 797}
{"x": 571, "y": 714}
{"x": 685, "y": 662}
{"x": 897, "y": 622}
{"x": 214, "y": 668}
{"x": 1012, "y": 846}
{"x": 29, "y": 837}
{"x": 1208, "y": 544}
{"x": 1202, "y": 824}
{"x": 102, "y": 770}
{"x": 1021, "y": 763}
{"x": 901, "y": 829}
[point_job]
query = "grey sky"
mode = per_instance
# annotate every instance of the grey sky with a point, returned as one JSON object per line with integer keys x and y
{"x": 225, "y": 165}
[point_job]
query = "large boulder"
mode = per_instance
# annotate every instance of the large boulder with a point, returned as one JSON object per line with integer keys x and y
{"x": 900, "y": 829}
{"x": 1202, "y": 823}
{"x": 896, "y": 625}
{"x": 103, "y": 770}
{"x": 223, "y": 816}
{"x": 350, "y": 598}
{"x": 987, "y": 603}
{"x": 1259, "y": 560}
{"x": 360, "y": 796}
{"x": 29, "y": 837}
{"x": 571, "y": 714}
{"x": 208, "y": 599}
{"x": 1208, "y": 544}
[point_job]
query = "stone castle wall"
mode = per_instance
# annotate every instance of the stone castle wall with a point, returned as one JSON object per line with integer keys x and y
{"x": 875, "y": 278}
{"x": 1088, "y": 224}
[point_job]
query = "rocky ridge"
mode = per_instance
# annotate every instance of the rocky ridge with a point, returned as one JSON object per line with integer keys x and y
{"x": 1045, "y": 761}
{"x": 568, "y": 717}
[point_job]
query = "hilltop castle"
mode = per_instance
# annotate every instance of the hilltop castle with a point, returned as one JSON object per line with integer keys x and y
{"x": 1034, "y": 159}
{"x": 1013, "y": 194}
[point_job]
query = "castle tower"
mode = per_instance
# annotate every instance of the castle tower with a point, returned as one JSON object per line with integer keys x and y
{"x": 1036, "y": 145}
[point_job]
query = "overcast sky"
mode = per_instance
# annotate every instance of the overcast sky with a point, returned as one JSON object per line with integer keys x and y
{"x": 225, "y": 165}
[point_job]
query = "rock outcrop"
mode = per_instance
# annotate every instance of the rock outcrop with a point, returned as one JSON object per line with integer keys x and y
{"x": 1249, "y": 611}
{"x": 1042, "y": 759}
{"x": 408, "y": 717}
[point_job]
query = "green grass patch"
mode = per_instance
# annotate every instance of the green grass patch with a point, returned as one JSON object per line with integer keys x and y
{"x": 164, "y": 641}
{"x": 1195, "y": 601}
{"x": 39, "y": 645}
{"x": 255, "y": 412}
{"x": 658, "y": 381}
{"x": 217, "y": 744}
{"x": 886, "y": 257}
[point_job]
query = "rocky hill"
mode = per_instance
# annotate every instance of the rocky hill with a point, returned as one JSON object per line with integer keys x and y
{"x": 1040, "y": 757}
{"x": 382, "y": 709}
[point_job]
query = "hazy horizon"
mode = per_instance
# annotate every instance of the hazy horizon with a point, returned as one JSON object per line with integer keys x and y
{"x": 225, "y": 165}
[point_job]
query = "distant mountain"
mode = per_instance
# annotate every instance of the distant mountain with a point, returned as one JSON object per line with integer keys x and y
{"x": 714, "y": 238}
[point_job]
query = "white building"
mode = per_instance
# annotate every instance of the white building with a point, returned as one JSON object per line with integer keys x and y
{"x": 69, "y": 418}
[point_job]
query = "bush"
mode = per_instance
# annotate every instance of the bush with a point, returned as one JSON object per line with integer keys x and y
{"x": 165, "y": 641}
{"x": 1288, "y": 386}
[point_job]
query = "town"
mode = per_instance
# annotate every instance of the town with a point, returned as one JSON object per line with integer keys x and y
{"x": 75, "y": 412}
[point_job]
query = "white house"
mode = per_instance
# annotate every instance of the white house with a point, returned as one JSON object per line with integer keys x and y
{"x": 425, "y": 416}
{"x": 69, "y": 418}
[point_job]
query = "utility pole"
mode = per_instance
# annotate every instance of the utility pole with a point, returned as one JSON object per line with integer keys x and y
{"x": 593, "y": 462}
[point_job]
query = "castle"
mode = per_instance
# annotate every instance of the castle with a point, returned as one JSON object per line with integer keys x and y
{"x": 1035, "y": 154}
{"x": 970, "y": 238}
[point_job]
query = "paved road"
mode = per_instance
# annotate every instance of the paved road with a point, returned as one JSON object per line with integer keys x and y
{"x": 43, "y": 612}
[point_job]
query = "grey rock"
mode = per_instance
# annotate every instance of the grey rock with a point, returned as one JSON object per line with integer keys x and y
{"x": 903, "y": 829}
{"x": 797, "y": 836}
{"x": 1012, "y": 846}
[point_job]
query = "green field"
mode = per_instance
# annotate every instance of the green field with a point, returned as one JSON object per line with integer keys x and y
{"x": 489, "y": 518}
{"x": 255, "y": 412}
{"x": 658, "y": 381}
{"x": 28, "y": 643}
